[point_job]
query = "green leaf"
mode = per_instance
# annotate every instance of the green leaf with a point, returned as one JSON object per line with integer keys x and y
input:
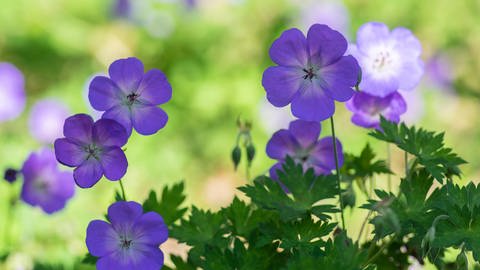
{"x": 170, "y": 204}
{"x": 90, "y": 259}
{"x": 364, "y": 165}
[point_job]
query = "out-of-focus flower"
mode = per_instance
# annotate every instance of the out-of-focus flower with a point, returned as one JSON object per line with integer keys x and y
{"x": 415, "y": 106}
{"x": 131, "y": 97}
{"x": 130, "y": 241}
{"x": 439, "y": 73}
{"x": 331, "y": 13}
{"x": 311, "y": 72}
{"x": 273, "y": 118}
{"x": 367, "y": 109}
{"x": 10, "y": 175}
{"x": 122, "y": 8}
{"x": 44, "y": 185}
{"x": 390, "y": 61}
{"x": 46, "y": 120}
{"x": 300, "y": 142}
{"x": 94, "y": 149}
{"x": 12, "y": 92}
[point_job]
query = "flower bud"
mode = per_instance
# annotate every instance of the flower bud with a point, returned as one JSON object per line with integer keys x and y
{"x": 10, "y": 175}
{"x": 250, "y": 153}
{"x": 236, "y": 156}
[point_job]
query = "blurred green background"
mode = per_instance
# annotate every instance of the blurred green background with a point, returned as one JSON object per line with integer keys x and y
{"x": 214, "y": 54}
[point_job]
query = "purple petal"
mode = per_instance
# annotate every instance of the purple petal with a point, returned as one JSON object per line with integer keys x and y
{"x": 124, "y": 214}
{"x": 122, "y": 115}
{"x": 126, "y": 73}
{"x": 68, "y": 153}
{"x": 290, "y": 49}
{"x": 12, "y": 93}
{"x": 305, "y": 132}
{"x": 281, "y": 145}
{"x": 380, "y": 87}
{"x": 313, "y": 104}
{"x": 155, "y": 88}
{"x": 407, "y": 43}
{"x": 150, "y": 229}
{"x": 325, "y": 45}
{"x": 371, "y": 34}
{"x": 340, "y": 77}
{"x": 146, "y": 258}
{"x": 101, "y": 238}
{"x": 114, "y": 163}
{"x": 78, "y": 128}
{"x": 411, "y": 74}
{"x": 147, "y": 120}
{"x": 88, "y": 173}
{"x": 323, "y": 154}
{"x": 103, "y": 93}
{"x": 107, "y": 132}
{"x": 281, "y": 84}
{"x": 65, "y": 185}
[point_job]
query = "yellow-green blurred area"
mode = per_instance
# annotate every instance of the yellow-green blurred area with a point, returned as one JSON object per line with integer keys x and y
{"x": 214, "y": 54}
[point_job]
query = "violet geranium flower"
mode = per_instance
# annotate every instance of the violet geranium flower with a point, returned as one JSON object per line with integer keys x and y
{"x": 130, "y": 241}
{"x": 93, "y": 148}
{"x": 367, "y": 109}
{"x": 12, "y": 92}
{"x": 311, "y": 72}
{"x": 300, "y": 142}
{"x": 131, "y": 97}
{"x": 390, "y": 61}
{"x": 46, "y": 120}
{"x": 44, "y": 184}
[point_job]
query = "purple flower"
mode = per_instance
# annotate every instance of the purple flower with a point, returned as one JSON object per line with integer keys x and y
{"x": 390, "y": 61}
{"x": 46, "y": 120}
{"x": 122, "y": 8}
{"x": 44, "y": 184}
{"x": 93, "y": 148}
{"x": 367, "y": 109}
{"x": 300, "y": 142}
{"x": 12, "y": 92}
{"x": 311, "y": 72}
{"x": 331, "y": 13}
{"x": 131, "y": 97}
{"x": 439, "y": 71}
{"x": 130, "y": 241}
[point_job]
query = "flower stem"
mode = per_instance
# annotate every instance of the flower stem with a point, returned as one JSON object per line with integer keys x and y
{"x": 389, "y": 162}
{"x": 123, "y": 190}
{"x": 406, "y": 164}
{"x": 337, "y": 171}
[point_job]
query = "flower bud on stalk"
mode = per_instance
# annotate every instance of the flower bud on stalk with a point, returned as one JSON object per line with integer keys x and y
{"x": 236, "y": 156}
{"x": 250, "y": 153}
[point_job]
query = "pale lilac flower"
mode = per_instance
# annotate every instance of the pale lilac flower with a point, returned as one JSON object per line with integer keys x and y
{"x": 46, "y": 120}
{"x": 12, "y": 92}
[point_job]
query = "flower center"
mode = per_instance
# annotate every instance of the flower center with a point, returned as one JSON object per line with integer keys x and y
{"x": 92, "y": 151}
{"x": 125, "y": 243}
{"x": 41, "y": 186}
{"x": 309, "y": 73}
{"x": 131, "y": 98}
{"x": 382, "y": 61}
{"x": 302, "y": 155}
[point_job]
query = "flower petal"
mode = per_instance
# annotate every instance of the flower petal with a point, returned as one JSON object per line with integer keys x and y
{"x": 101, "y": 238}
{"x": 78, "y": 128}
{"x": 146, "y": 258}
{"x": 124, "y": 214}
{"x": 371, "y": 34}
{"x": 282, "y": 84}
{"x": 68, "y": 153}
{"x": 290, "y": 49}
{"x": 154, "y": 88}
{"x": 323, "y": 155}
{"x": 340, "y": 77}
{"x": 313, "y": 104}
{"x": 305, "y": 132}
{"x": 281, "y": 145}
{"x": 88, "y": 173}
{"x": 103, "y": 93}
{"x": 411, "y": 74}
{"x": 114, "y": 163}
{"x": 122, "y": 115}
{"x": 325, "y": 45}
{"x": 126, "y": 73}
{"x": 107, "y": 132}
{"x": 147, "y": 120}
{"x": 150, "y": 229}
{"x": 380, "y": 87}
{"x": 406, "y": 42}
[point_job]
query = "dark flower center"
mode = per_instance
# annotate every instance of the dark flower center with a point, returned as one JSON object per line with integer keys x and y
{"x": 125, "y": 243}
{"x": 92, "y": 151}
{"x": 131, "y": 98}
{"x": 41, "y": 185}
{"x": 309, "y": 73}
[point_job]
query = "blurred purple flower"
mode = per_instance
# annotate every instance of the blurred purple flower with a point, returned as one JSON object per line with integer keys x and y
{"x": 131, "y": 97}
{"x": 93, "y": 148}
{"x": 331, "y": 13}
{"x": 300, "y": 142}
{"x": 273, "y": 118}
{"x": 12, "y": 92}
{"x": 438, "y": 71}
{"x": 122, "y": 8}
{"x": 130, "y": 241}
{"x": 312, "y": 72}
{"x": 44, "y": 184}
{"x": 390, "y": 61}
{"x": 415, "y": 104}
{"x": 367, "y": 109}
{"x": 46, "y": 120}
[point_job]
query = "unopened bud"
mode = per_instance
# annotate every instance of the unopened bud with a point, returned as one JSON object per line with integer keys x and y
{"x": 236, "y": 156}
{"x": 10, "y": 175}
{"x": 250, "y": 153}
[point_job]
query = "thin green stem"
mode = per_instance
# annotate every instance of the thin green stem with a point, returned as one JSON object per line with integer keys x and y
{"x": 337, "y": 171}
{"x": 406, "y": 163}
{"x": 389, "y": 162}
{"x": 123, "y": 190}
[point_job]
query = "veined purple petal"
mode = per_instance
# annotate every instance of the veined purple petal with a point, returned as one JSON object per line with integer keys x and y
{"x": 371, "y": 34}
{"x": 150, "y": 229}
{"x": 290, "y": 49}
{"x": 313, "y": 104}
{"x": 107, "y": 132}
{"x": 148, "y": 120}
{"x": 88, "y": 173}
{"x": 78, "y": 128}
{"x": 154, "y": 88}
{"x": 148, "y": 258}
{"x": 69, "y": 153}
{"x": 305, "y": 132}
{"x": 126, "y": 73}
{"x": 101, "y": 238}
{"x": 325, "y": 45}
{"x": 340, "y": 77}
{"x": 123, "y": 214}
{"x": 281, "y": 145}
{"x": 324, "y": 155}
{"x": 380, "y": 87}
{"x": 103, "y": 93}
{"x": 122, "y": 115}
{"x": 282, "y": 84}
{"x": 114, "y": 163}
